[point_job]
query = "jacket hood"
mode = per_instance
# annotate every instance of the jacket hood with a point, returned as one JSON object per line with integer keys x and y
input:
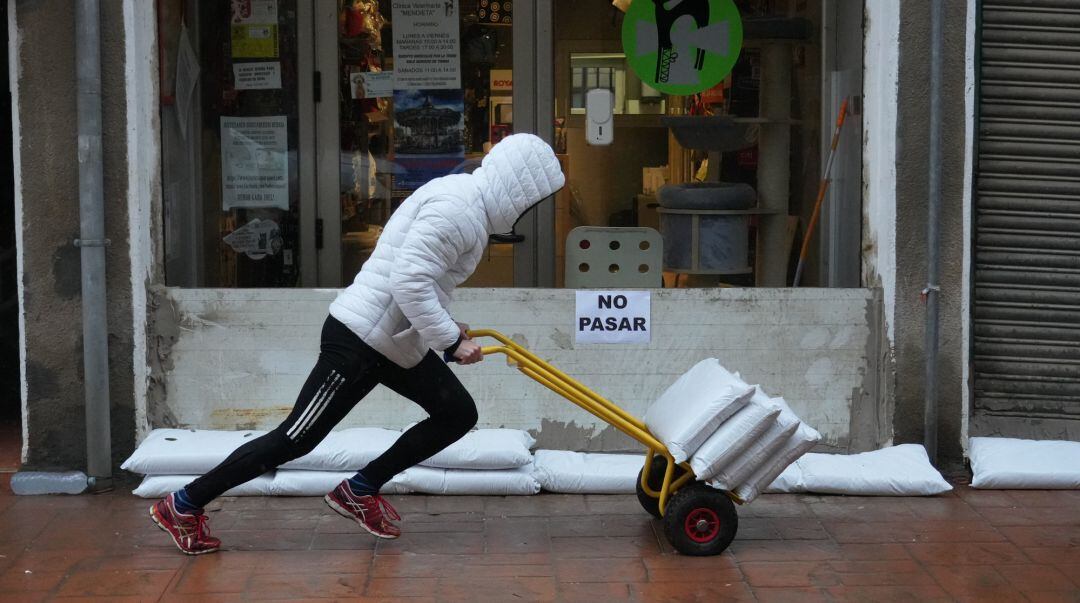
{"x": 519, "y": 172}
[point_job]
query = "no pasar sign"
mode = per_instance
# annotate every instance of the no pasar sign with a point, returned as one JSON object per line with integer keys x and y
{"x": 612, "y": 317}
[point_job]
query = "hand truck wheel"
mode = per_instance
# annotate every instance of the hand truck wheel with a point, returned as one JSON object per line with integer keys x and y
{"x": 700, "y": 520}
{"x": 656, "y": 481}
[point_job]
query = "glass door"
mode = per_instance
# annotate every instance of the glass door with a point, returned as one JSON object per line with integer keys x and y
{"x": 236, "y": 139}
{"x": 408, "y": 91}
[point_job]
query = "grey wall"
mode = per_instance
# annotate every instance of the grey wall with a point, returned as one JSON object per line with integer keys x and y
{"x": 912, "y": 133}
{"x": 235, "y": 358}
{"x": 50, "y": 198}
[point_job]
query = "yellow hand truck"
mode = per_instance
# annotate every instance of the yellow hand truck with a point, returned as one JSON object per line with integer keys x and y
{"x": 698, "y": 519}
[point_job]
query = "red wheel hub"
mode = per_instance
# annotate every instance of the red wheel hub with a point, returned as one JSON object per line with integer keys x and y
{"x": 702, "y": 524}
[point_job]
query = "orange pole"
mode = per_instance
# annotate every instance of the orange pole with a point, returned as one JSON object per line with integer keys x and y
{"x": 822, "y": 189}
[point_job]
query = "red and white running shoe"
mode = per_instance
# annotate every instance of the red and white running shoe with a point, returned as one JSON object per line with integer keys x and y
{"x": 371, "y": 512}
{"x": 190, "y": 532}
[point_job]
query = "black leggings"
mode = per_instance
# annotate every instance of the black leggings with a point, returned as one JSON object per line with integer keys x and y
{"x": 346, "y": 371}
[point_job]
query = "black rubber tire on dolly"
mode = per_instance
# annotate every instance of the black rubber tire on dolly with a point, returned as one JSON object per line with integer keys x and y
{"x": 700, "y": 520}
{"x": 656, "y": 481}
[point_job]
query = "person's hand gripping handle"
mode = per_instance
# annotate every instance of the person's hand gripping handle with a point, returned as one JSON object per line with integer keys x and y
{"x": 468, "y": 351}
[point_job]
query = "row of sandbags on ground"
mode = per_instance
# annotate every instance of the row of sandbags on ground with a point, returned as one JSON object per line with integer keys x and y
{"x": 498, "y": 462}
{"x": 485, "y": 461}
{"x": 170, "y": 458}
{"x": 503, "y": 464}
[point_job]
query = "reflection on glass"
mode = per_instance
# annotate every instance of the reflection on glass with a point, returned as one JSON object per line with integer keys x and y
{"x": 394, "y": 140}
{"x": 609, "y": 71}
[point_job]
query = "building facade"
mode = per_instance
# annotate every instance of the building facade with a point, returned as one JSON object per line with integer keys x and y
{"x": 253, "y": 149}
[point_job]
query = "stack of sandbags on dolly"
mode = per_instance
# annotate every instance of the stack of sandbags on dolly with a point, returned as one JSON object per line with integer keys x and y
{"x": 485, "y": 461}
{"x": 735, "y": 436}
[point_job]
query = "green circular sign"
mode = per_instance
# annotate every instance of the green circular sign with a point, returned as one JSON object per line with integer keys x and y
{"x": 682, "y": 47}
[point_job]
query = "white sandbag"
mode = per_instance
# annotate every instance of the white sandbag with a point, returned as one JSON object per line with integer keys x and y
{"x": 1014, "y": 463}
{"x": 507, "y": 482}
{"x": 318, "y": 483}
{"x": 789, "y": 481}
{"x": 800, "y": 442}
{"x": 185, "y": 451}
{"x": 732, "y": 438}
{"x": 902, "y": 470}
{"x": 689, "y": 411}
{"x": 486, "y": 449}
{"x": 758, "y": 453}
{"x": 587, "y": 473}
{"x": 346, "y": 450}
{"x": 156, "y": 486}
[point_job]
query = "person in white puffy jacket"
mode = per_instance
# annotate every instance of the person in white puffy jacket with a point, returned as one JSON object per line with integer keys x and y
{"x": 389, "y": 327}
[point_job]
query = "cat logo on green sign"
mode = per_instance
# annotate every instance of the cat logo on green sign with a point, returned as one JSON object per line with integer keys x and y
{"x": 682, "y": 46}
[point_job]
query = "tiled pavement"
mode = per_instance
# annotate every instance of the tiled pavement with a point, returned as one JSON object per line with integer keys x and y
{"x": 973, "y": 545}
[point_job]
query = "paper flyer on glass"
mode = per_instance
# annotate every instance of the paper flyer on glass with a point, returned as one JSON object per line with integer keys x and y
{"x": 254, "y": 162}
{"x": 254, "y": 29}
{"x": 427, "y": 44}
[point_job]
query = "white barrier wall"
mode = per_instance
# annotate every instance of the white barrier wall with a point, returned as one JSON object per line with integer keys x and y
{"x": 235, "y": 359}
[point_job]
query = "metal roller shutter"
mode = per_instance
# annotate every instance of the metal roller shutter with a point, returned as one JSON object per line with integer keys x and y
{"x": 1026, "y": 322}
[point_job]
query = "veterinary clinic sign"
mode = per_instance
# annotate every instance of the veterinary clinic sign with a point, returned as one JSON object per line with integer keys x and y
{"x": 427, "y": 45}
{"x": 612, "y": 317}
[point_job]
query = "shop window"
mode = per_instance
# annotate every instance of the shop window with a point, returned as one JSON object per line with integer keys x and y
{"x": 267, "y": 183}
{"x": 730, "y": 192}
{"x": 248, "y": 91}
{"x": 394, "y": 143}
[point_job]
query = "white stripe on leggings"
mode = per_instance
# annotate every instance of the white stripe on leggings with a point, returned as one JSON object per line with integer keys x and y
{"x": 311, "y": 403}
{"x": 302, "y": 419}
{"x": 322, "y": 406}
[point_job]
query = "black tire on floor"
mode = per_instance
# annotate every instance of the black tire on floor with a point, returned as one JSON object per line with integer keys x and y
{"x": 700, "y": 520}
{"x": 656, "y": 481}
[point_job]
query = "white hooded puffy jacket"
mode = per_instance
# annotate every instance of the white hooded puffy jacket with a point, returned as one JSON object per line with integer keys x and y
{"x": 433, "y": 242}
